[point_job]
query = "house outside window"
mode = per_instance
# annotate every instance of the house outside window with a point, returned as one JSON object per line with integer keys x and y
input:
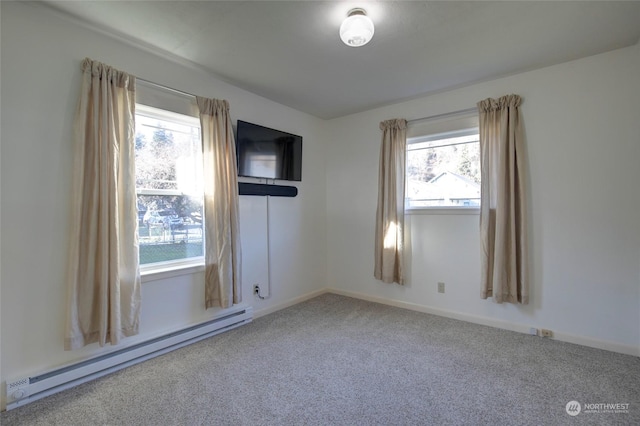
{"x": 168, "y": 158}
{"x": 443, "y": 170}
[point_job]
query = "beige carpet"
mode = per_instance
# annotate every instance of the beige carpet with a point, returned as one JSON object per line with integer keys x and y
{"x": 334, "y": 360}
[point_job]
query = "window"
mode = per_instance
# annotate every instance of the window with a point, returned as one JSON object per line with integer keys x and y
{"x": 168, "y": 157}
{"x": 443, "y": 170}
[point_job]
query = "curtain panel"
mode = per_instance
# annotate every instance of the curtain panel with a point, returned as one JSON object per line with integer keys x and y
{"x": 503, "y": 227}
{"x": 389, "y": 234}
{"x": 104, "y": 277}
{"x": 221, "y": 205}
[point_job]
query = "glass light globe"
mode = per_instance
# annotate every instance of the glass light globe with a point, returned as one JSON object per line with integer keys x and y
{"x": 357, "y": 30}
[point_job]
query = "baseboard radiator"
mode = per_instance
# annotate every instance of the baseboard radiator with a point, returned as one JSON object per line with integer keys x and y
{"x": 29, "y": 389}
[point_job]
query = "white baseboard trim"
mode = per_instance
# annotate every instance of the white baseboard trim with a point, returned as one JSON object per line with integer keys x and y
{"x": 257, "y": 313}
{"x": 505, "y": 325}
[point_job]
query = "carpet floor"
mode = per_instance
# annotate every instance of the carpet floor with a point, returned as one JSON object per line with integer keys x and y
{"x": 335, "y": 360}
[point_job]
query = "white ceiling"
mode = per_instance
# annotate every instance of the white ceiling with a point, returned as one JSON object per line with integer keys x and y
{"x": 290, "y": 51}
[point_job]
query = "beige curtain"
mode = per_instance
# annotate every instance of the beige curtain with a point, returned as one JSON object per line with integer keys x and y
{"x": 104, "y": 277}
{"x": 502, "y": 212}
{"x": 221, "y": 211}
{"x": 389, "y": 242}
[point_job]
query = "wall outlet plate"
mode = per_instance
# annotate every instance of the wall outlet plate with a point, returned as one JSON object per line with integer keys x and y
{"x": 546, "y": 333}
{"x": 440, "y": 287}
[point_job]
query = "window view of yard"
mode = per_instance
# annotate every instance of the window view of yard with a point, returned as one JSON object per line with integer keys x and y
{"x": 443, "y": 170}
{"x": 172, "y": 233}
{"x": 168, "y": 184}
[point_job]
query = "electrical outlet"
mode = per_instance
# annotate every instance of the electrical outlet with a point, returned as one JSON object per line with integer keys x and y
{"x": 546, "y": 333}
{"x": 256, "y": 289}
{"x": 440, "y": 287}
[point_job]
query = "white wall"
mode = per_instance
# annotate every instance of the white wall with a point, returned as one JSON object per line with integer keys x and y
{"x": 583, "y": 144}
{"x": 41, "y": 57}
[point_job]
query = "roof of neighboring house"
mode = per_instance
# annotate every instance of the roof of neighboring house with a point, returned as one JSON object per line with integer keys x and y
{"x": 455, "y": 175}
{"x": 444, "y": 185}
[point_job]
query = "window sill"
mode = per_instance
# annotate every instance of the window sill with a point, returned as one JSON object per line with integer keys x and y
{"x": 443, "y": 211}
{"x": 170, "y": 270}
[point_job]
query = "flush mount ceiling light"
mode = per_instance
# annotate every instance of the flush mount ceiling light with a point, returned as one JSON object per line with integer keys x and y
{"x": 357, "y": 29}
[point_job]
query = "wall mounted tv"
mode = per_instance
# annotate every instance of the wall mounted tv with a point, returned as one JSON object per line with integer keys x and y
{"x": 268, "y": 153}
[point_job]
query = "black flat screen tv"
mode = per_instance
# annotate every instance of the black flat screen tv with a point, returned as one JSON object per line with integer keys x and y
{"x": 268, "y": 153}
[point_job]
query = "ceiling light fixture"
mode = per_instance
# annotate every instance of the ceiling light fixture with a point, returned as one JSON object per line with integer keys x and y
{"x": 357, "y": 29}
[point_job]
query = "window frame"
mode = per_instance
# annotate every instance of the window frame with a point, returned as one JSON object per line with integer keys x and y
{"x": 440, "y": 210}
{"x": 177, "y": 267}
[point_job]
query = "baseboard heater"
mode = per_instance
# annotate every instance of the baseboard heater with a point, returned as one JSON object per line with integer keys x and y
{"x": 29, "y": 389}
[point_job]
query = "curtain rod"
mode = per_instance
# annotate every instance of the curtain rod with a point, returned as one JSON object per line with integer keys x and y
{"x": 180, "y": 92}
{"x": 444, "y": 115}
